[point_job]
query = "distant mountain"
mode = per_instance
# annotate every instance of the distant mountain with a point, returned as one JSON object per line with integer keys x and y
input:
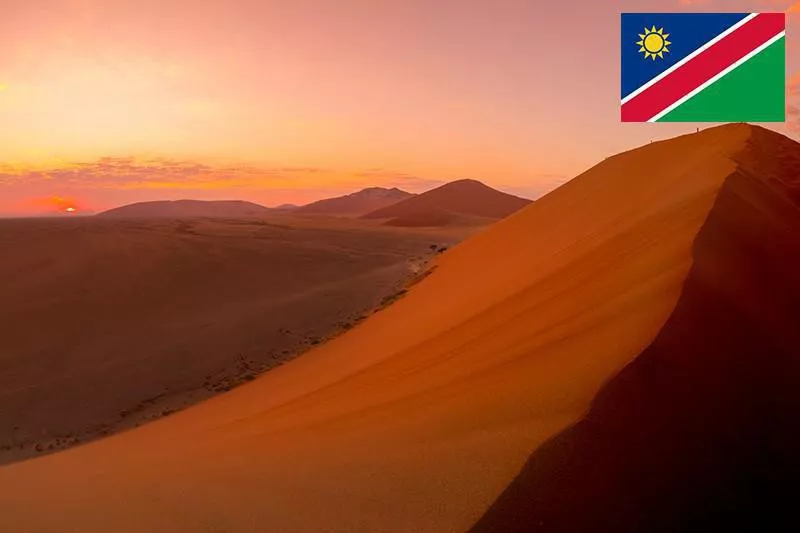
{"x": 286, "y": 207}
{"x": 357, "y": 203}
{"x": 188, "y": 208}
{"x": 451, "y": 203}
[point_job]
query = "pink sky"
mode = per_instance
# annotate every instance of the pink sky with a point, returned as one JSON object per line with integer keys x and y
{"x": 104, "y": 102}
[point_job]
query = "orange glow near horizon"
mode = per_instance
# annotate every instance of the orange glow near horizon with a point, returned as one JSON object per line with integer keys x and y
{"x": 286, "y": 101}
{"x": 57, "y": 204}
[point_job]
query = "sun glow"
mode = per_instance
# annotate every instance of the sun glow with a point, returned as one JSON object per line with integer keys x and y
{"x": 653, "y": 43}
{"x": 57, "y": 204}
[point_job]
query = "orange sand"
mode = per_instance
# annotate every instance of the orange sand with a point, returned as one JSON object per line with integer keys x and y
{"x": 417, "y": 419}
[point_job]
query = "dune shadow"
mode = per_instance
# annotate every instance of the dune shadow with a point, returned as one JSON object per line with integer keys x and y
{"x": 702, "y": 431}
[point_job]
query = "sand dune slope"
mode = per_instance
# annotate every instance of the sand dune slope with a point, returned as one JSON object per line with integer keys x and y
{"x": 700, "y": 432}
{"x": 417, "y": 419}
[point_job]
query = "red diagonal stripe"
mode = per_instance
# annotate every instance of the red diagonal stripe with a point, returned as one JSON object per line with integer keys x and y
{"x": 703, "y": 67}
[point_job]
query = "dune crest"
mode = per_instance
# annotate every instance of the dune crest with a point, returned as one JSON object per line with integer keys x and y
{"x": 464, "y": 201}
{"x": 420, "y": 417}
{"x": 700, "y": 432}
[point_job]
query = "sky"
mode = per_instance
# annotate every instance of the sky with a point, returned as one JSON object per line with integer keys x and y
{"x": 107, "y": 102}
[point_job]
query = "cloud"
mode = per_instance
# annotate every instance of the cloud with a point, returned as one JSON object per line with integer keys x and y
{"x": 303, "y": 170}
{"x": 129, "y": 173}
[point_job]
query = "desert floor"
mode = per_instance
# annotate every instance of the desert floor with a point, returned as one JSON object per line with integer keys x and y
{"x": 108, "y": 323}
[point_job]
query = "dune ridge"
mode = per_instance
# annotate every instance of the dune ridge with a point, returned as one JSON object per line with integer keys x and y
{"x": 700, "y": 432}
{"x": 421, "y": 416}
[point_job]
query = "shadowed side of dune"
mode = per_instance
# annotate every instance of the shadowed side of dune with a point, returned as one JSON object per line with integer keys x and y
{"x": 700, "y": 432}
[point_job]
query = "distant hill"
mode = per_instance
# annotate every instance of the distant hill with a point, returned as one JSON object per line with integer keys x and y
{"x": 188, "y": 208}
{"x": 357, "y": 203}
{"x": 286, "y": 207}
{"x": 451, "y": 203}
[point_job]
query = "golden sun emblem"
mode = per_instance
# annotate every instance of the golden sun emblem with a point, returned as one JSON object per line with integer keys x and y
{"x": 654, "y": 43}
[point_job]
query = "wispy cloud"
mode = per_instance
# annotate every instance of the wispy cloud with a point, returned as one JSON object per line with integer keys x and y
{"x": 129, "y": 173}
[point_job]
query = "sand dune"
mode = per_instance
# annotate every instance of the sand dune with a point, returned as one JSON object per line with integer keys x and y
{"x": 420, "y": 417}
{"x": 188, "y": 209}
{"x": 355, "y": 204}
{"x": 458, "y": 202}
{"x": 700, "y": 432}
{"x": 109, "y": 323}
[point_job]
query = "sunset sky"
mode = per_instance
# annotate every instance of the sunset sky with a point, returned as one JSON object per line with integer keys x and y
{"x": 106, "y": 102}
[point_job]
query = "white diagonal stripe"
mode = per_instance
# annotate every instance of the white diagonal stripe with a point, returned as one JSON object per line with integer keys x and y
{"x": 691, "y": 56}
{"x": 736, "y": 65}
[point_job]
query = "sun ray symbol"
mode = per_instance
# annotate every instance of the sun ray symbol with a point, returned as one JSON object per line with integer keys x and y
{"x": 653, "y": 42}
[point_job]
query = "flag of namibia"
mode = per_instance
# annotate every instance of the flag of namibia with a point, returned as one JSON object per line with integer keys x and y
{"x": 703, "y": 67}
